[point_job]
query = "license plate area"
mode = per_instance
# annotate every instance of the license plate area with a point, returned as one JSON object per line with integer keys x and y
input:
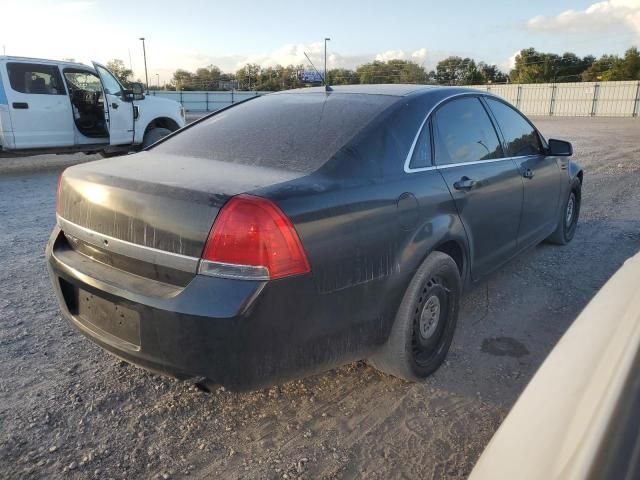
{"x": 108, "y": 317}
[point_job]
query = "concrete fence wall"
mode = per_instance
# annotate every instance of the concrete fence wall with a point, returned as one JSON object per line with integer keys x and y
{"x": 579, "y": 99}
{"x": 206, "y": 101}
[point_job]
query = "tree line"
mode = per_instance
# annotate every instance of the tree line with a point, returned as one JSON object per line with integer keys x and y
{"x": 531, "y": 66}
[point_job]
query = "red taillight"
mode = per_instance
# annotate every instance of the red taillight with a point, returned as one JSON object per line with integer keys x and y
{"x": 253, "y": 231}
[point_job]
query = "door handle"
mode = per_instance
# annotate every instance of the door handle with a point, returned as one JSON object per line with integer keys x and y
{"x": 528, "y": 173}
{"x": 114, "y": 105}
{"x": 20, "y": 105}
{"x": 465, "y": 183}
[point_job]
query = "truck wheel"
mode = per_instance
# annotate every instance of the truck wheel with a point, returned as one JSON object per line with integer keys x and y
{"x": 116, "y": 153}
{"x": 569, "y": 214}
{"x": 153, "y": 135}
{"x": 425, "y": 322}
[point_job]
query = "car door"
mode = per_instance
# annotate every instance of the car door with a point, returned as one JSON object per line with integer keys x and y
{"x": 39, "y": 107}
{"x": 117, "y": 111}
{"x": 486, "y": 187}
{"x": 541, "y": 173}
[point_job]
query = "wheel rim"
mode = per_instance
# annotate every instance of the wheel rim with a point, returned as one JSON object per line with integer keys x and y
{"x": 429, "y": 317}
{"x": 571, "y": 204}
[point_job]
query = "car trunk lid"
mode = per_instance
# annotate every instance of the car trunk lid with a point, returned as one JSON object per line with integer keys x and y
{"x": 162, "y": 202}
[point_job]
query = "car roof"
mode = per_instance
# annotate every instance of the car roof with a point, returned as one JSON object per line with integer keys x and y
{"x": 45, "y": 61}
{"x": 393, "y": 89}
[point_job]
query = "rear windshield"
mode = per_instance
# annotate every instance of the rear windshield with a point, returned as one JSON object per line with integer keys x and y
{"x": 297, "y": 132}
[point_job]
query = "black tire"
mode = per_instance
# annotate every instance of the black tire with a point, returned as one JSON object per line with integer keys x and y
{"x": 153, "y": 135}
{"x": 423, "y": 328}
{"x": 117, "y": 153}
{"x": 569, "y": 215}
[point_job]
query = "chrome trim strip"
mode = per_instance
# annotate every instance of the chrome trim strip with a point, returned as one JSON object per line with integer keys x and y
{"x": 233, "y": 271}
{"x": 408, "y": 169}
{"x": 491, "y": 160}
{"x": 122, "y": 247}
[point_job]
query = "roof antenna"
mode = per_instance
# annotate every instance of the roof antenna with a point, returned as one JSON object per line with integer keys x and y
{"x": 326, "y": 87}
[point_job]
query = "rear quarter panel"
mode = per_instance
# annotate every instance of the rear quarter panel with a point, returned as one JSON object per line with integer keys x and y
{"x": 366, "y": 225}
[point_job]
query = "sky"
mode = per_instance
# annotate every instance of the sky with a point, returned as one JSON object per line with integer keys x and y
{"x": 190, "y": 34}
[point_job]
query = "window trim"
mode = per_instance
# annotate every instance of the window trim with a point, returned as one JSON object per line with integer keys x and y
{"x": 55, "y": 72}
{"x": 441, "y": 102}
{"x": 493, "y": 126}
{"x": 428, "y": 125}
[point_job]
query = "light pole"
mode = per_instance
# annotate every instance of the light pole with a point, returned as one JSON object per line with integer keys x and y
{"x": 144, "y": 53}
{"x": 158, "y": 80}
{"x": 325, "y": 59}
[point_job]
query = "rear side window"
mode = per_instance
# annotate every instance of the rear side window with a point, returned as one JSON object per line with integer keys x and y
{"x": 421, "y": 156}
{"x": 291, "y": 131}
{"x": 519, "y": 136}
{"x": 35, "y": 78}
{"x": 464, "y": 133}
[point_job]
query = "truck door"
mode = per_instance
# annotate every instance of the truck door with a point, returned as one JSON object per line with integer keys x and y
{"x": 39, "y": 107}
{"x": 117, "y": 110}
{"x": 486, "y": 186}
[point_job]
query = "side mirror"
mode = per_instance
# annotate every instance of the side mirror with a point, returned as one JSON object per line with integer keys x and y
{"x": 135, "y": 92}
{"x": 560, "y": 148}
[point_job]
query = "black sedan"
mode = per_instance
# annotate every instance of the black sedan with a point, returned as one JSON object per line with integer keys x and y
{"x": 302, "y": 230}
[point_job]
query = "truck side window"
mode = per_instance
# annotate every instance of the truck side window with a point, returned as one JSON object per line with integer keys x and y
{"x": 109, "y": 82}
{"x": 35, "y": 78}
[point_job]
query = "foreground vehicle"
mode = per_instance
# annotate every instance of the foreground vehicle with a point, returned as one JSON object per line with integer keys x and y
{"x": 48, "y": 106}
{"x": 578, "y": 417}
{"x": 305, "y": 229}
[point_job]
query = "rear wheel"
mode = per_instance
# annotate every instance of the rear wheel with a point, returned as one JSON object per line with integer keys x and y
{"x": 425, "y": 323}
{"x": 569, "y": 214}
{"x": 153, "y": 135}
{"x": 114, "y": 153}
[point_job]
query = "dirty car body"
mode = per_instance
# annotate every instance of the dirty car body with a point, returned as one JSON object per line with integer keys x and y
{"x": 351, "y": 177}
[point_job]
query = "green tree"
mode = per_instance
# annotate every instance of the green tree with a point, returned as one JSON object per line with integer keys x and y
{"x": 117, "y": 67}
{"x": 206, "y": 78}
{"x": 632, "y": 64}
{"x": 342, "y": 76}
{"x": 182, "y": 80}
{"x": 248, "y": 76}
{"x": 392, "y": 71}
{"x": 458, "y": 71}
{"x": 532, "y": 66}
{"x": 491, "y": 73}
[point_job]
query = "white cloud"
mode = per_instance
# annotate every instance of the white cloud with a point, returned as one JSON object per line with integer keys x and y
{"x": 293, "y": 54}
{"x": 420, "y": 55}
{"x": 605, "y": 16}
{"x": 510, "y": 63}
{"x": 390, "y": 55}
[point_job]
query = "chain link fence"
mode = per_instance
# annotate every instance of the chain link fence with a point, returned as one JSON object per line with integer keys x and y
{"x": 205, "y": 101}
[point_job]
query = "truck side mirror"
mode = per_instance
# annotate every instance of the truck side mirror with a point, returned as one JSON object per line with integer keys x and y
{"x": 134, "y": 92}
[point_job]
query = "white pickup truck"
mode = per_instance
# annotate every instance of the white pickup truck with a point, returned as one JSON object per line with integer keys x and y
{"x": 49, "y": 106}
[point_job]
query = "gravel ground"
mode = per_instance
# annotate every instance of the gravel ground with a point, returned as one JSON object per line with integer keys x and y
{"x": 67, "y": 409}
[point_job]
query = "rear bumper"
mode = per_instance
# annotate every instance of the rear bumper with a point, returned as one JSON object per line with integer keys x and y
{"x": 241, "y": 334}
